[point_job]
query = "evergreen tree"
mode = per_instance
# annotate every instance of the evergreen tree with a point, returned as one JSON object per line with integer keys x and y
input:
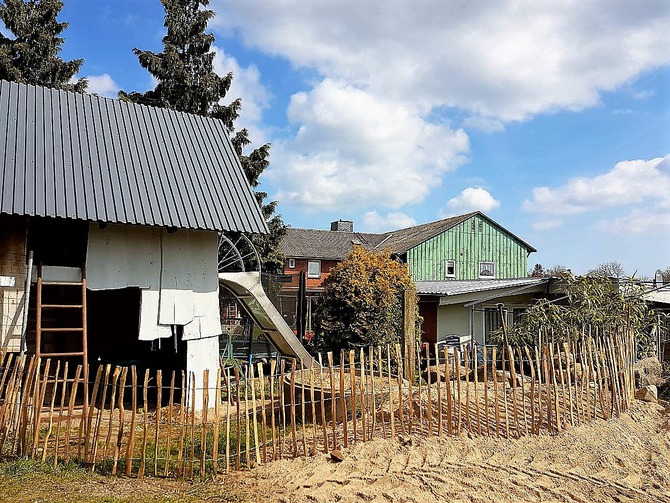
{"x": 32, "y": 56}
{"x": 187, "y": 83}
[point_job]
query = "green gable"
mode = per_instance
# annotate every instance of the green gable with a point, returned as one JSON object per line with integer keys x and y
{"x": 470, "y": 242}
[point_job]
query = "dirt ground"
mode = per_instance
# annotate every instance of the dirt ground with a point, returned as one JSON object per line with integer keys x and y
{"x": 623, "y": 459}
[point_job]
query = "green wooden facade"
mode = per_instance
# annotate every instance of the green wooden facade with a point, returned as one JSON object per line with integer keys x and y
{"x": 468, "y": 243}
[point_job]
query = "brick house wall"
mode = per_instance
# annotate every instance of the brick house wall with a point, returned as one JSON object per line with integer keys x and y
{"x": 310, "y": 283}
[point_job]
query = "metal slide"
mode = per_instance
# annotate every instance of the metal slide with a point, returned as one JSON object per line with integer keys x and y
{"x": 247, "y": 287}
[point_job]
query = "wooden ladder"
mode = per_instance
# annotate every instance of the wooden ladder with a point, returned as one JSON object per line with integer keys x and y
{"x": 68, "y": 331}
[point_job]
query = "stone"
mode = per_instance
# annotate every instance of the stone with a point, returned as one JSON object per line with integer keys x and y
{"x": 336, "y": 456}
{"x": 648, "y": 393}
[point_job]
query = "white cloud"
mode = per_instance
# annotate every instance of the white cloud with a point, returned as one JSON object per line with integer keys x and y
{"x": 484, "y": 124}
{"x": 246, "y": 85}
{"x": 628, "y": 183}
{"x": 638, "y": 222}
{"x": 103, "y": 85}
{"x": 473, "y": 199}
{"x": 545, "y": 225}
{"x": 374, "y": 222}
{"x": 354, "y": 150}
{"x": 509, "y": 60}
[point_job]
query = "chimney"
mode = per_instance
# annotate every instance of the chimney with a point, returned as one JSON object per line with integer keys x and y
{"x": 342, "y": 226}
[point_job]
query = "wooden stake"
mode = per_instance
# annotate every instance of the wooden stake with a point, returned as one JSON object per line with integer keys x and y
{"x": 122, "y": 413}
{"x": 429, "y": 411}
{"x": 373, "y": 400}
{"x": 38, "y": 406}
{"x": 505, "y": 384}
{"x": 486, "y": 391}
{"x": 183, "y": 418}
{"x": 343, "y": 403}
{"x": 381, "y": 391}
{"x": 254, "y": 417}
{"x": 145, "y": 425}
{"x": 293, "y": 421}
{"x": 263, "y": 411}
{"x": 333, "y": 409}
{"x": 401, "y": 414}
{"x": 51, "y": 413}
{"x": 204, "y": 422}
{"x": 191, "y": 463}
{"x": 364, "y": 404}
{"x": 323, "y": 408}
{"x": 313, "y": 399}
{"x": 532, "y": 391}
{"x": 273, "y": 367}
{"x": 229, "y": 392}
{"x": 247, "y": 431}
{"x": 238, "y": 422}
{"x": 391, "y": 406}
{"x": 496, "y": 410}
{"x": 166, "y": 468}
{"x": 457, "y": 363}
{"x": 354, "y": 411}
{"x": 566, "y": 352}
{"x": 512, "y": 373}
{"x": 159, "y": 399}
{"x": 447, "y": 388}
{"x": 112, "y": 404}
{"x": 133, "y": 415}
{"x": 467, "y": 390}
{"x": 302, "y": 410}
{"x": 70, "y": 411}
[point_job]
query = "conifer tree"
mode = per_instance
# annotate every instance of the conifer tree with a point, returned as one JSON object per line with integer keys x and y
{"x": 187, "y": 83}
{"x": 32, "y": 56}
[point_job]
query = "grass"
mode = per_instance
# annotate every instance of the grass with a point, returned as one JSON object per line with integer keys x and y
{"x": 30, "y": 481}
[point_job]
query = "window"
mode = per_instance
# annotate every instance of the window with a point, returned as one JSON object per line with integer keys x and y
{"x": 450, "y": 268}
{"x": 291, "y": 263}
{"x": 487, "y": 270}
{"x": 314, "y": 269}
{"x": 492, "y": 322}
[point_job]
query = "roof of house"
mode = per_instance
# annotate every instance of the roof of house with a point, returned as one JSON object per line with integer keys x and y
{"x": 81, "y": 156}
{"x": 312, "y": 243}
{"x": 326, "y": 245}
{"x": 458, "y": 287}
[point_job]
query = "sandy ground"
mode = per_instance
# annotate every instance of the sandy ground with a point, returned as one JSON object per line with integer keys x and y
{"x": 623, "y": 459}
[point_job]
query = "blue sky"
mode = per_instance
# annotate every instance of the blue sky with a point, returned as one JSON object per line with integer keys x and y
{"x": 551, "y": 117}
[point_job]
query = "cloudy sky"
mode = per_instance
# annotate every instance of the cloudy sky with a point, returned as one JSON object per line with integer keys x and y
{"x": 551, "y": 117}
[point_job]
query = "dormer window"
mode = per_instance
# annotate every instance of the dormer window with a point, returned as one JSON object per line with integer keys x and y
{"x": 449, "y": 268}
{"x": 487, "y": 270}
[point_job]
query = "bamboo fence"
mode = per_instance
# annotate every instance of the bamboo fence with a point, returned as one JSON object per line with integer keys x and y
{"x": 151, "y": 425}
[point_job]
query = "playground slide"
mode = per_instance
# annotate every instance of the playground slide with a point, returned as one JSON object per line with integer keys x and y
{"x": 247, "y": 287}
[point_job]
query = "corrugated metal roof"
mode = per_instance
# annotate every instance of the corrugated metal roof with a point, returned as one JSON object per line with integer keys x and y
{"x": 458, "y": 287}
{"x": 80, "y": 156}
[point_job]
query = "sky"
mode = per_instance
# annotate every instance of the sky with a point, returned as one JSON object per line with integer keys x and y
{"x": 553, "y": 118}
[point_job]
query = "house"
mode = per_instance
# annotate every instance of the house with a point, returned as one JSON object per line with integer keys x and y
{"x": 118, "y": 206}
{"x": 469, "y": 254}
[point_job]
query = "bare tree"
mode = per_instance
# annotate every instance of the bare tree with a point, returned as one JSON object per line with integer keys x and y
{"x": 608, "y": 270}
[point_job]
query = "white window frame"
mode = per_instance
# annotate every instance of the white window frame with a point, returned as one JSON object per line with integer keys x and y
{"x": 311, "y": 274}
{"x": 291, "y": 263}
{"x": 486, "y": 276}
{"x": 446, "y": 268}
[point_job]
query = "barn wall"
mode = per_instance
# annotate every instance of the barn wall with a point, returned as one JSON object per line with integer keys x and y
{"x": 13, "y": 270}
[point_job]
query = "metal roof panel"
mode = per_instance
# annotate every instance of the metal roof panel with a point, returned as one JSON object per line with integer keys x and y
{"x": 72, "y": 155}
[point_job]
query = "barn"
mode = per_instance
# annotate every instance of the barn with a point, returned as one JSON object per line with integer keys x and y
{"x": 109, "y": 217}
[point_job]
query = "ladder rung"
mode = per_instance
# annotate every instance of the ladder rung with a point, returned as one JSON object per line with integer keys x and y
{"x": 79, "y": 353}
{"x": 61, "y": 329}
{"x": 61, "y": 283}
{"x": 62, "y": 306}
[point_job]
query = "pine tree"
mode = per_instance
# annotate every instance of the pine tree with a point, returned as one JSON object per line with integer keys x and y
{"x": 187, "y": 83}
{"x": 32, "y": 56}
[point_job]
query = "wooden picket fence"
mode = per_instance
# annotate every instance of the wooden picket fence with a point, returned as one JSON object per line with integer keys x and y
{"x": 174, "y": 426}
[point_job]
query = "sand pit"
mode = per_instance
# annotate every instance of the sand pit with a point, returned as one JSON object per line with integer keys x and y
{"x": 623, "y": 459}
